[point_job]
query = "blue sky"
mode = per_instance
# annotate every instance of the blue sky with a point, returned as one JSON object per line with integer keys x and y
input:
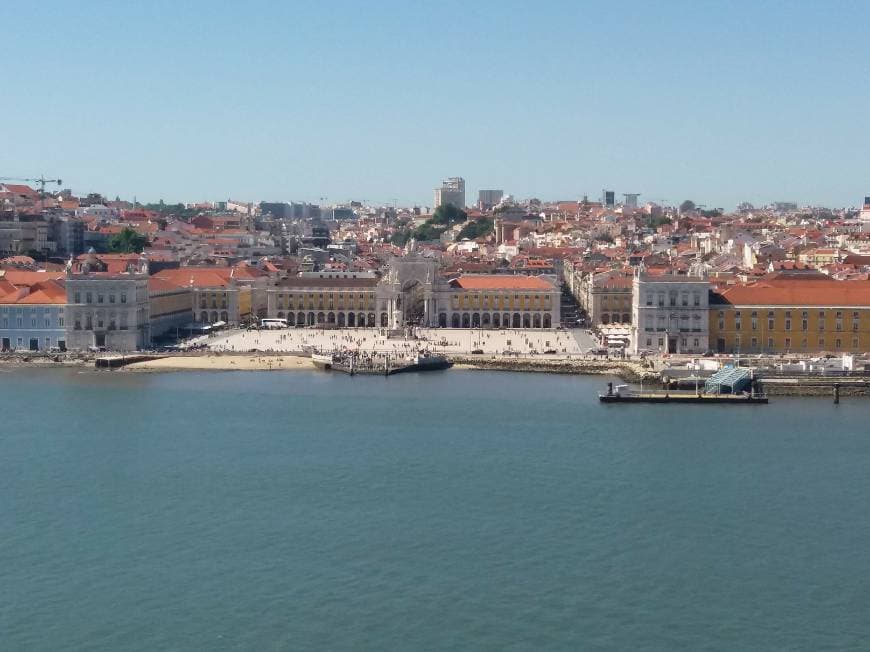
{"x": 718, "y": 102}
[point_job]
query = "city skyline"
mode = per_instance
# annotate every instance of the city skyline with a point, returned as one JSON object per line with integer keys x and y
{"x": 755, "y": 103}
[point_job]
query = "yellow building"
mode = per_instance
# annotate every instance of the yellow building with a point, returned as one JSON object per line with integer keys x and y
{"x": 337, "y": 300}
{"x": 498, "y": 301}
{"x": 785, "y": 314}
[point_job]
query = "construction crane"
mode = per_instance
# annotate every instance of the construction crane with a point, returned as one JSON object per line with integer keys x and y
{"x": 41, "y": 181}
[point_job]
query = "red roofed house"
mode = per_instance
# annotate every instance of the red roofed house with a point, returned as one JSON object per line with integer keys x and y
{"x": 32, "y": 311}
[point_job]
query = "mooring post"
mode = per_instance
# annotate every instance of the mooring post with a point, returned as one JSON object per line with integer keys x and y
{"x": 836, "y": 393}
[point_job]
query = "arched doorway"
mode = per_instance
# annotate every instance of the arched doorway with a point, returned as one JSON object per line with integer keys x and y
{"x": 320, "y": 317}
{"x": 536, "y": 320}
{"x": 496, "y": 320}
{"x": 330, "y": 318}
{"x": 311, "y": 319}
{"x": 626, "y": 318}
{"x": 442, "y": 320}
{"x": 291, "y": 319}
{"x": 341, "y": 320}
{"x": 455, "y": 320}
{"x": 466, "y": 320}
{"x": 517, "y": 320}
{"x": 214, "y": 317}
{"x": 203, "y": 317}
{"x": 548, "y": 322}
{"x": 351, "y": 319}
{"x": 484, "y": 320}
{"x": 300, "y": 319}
{"x": 384, "y": 320}
{"x": 475, "y": 320}
{"x": 225, "y": 317}
{"x": 371, "y": 320}
{"x": 605, "y": 318}
{"x": 527, "y": 321}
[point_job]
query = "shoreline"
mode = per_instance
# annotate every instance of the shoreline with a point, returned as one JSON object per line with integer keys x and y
{"x": 627, "y": 370}
{"x": 223, "y": 362}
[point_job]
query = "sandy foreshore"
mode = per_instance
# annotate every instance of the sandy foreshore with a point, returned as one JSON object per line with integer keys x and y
{"x": 249, "y": 362}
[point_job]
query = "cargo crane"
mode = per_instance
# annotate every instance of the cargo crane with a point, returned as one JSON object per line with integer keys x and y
{"x": 41, "y": 181}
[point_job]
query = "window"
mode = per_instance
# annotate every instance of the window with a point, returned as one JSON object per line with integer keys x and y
{"x": 754, "y": 320}
{"x": 78, "y": 298}
{"x": 697, "y": 343}
{"x": 649, "y": 341}
{"x": 60, "y": 322}
{"x": 754, "y": 343}
{"x": 697, "y": 298}
{"x": 89, "y": 298}
{"x": 788, "y": 324}
{"x": 770, "y": 343}
{"x": 838, "y": 343}
{"x": 839, "y": 322}
{"x": 685, "y": 299}
{"x": 770, "y": 320}
{"x": 787, "y": 343}
{"x": 737, "y": 321}
{"x": 821, "y": 344}
{"x": 111, "y": 298}
{"x": 854, "y": 342}
{"x": 673, "y": 298}
{"x": 99, "y": 298}
{"x": 822, "y": 320}
{"x": 123, "y": 297}
{"x": 649, "y": 298}
{"x": 721, "y": 320}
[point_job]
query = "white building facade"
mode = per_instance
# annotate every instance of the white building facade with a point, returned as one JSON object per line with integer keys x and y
{"x": 669, "y": 314}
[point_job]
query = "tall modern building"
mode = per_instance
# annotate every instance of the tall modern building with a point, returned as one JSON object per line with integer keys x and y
{"x": 486, "y": 199}
{"x": 608, "y": 198}
{"x": 630, "y": 199}
{"x": 452, "y": 191}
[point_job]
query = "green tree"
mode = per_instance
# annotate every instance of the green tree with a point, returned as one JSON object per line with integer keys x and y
{"x": 127, "y": 241}
{"x": 400, "y": 237}
{"x": 687, "y": 206}
{"x": 428, "y": 231}
{"x": 476, "y": 229}
{"x": 448, "y": 214}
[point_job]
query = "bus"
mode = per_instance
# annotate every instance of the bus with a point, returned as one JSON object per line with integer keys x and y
{"x": 273, "y": 323}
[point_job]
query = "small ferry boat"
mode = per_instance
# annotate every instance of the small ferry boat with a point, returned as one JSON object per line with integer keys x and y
{"x": 363, "y": 365}
{"x": 424, "y": 362}
{"x": 322, "y": 360}
{"x": 622, "y": 394}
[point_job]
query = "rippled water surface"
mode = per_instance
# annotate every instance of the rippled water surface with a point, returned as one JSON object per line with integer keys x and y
{"x": 455, "y": 510}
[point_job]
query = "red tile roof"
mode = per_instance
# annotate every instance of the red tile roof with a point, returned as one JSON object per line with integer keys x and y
{"x": 501, "y": 282}
{"x": 798, "y": 292}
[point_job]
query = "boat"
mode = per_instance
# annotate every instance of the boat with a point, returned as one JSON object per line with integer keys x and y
{"x": 424, "y": 362}
{"x": 622, "y": 394}
{"x": 353, "y": 365}
{"x": 322, "y": 360}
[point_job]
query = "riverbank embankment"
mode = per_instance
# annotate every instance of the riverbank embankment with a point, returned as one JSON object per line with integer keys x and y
{"x": 628, "y": 370}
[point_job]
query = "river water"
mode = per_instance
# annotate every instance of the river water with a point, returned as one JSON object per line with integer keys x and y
{"x": 452, "y": 510}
